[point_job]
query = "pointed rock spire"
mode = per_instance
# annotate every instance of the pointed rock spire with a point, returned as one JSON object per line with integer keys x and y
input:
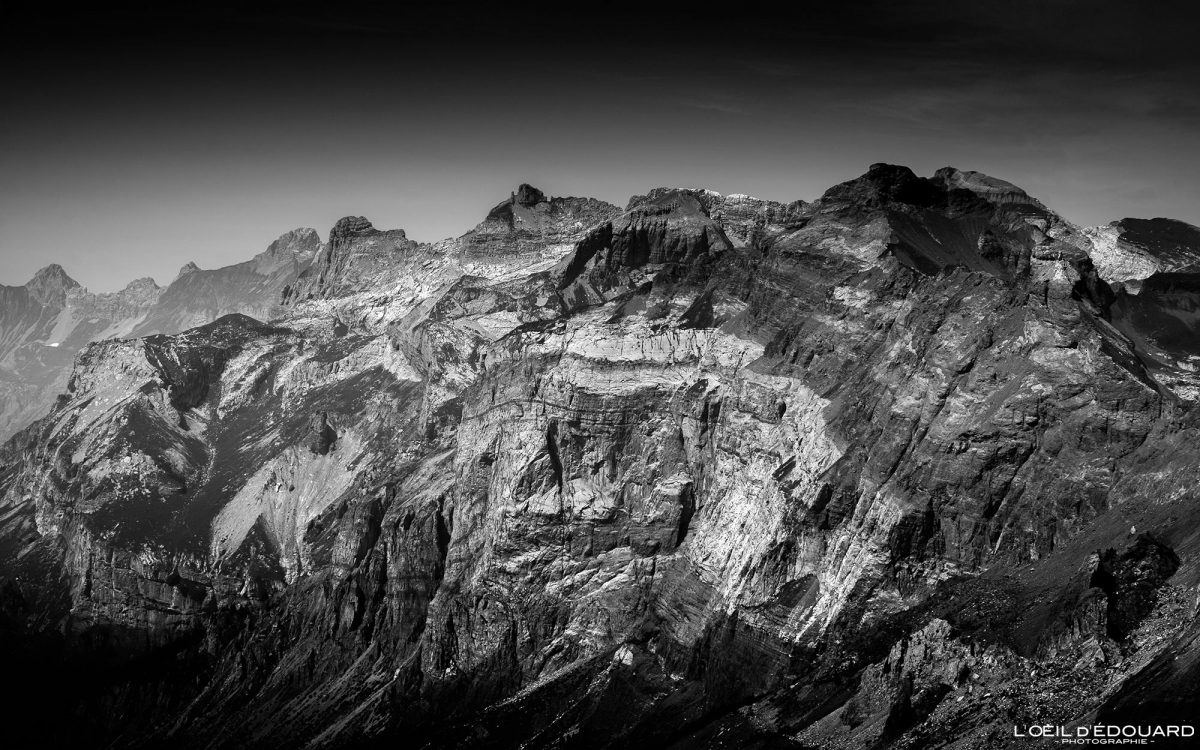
{"x": 528, "y": 195}
{"x": 50, "y": 284}
{"x": 349, "y": 227}
{"x": 188, "y": 267}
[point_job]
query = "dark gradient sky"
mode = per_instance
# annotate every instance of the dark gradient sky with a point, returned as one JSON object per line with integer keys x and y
{"x": 136, "y": 139}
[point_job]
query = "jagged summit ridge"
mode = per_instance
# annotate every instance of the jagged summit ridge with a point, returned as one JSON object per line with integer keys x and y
{"x": 46, "y": 322}
{"x": 300, "y": 241}
{"x": 52, "y": 273}
{"x": 531, "y": 230}
{"x": 349, "y": 227}
{"x": 50, "y": 284}
{"x": 527, "y": 195}
{"x": 532, "y": 207}
{"x": 880, "y": 469}
{"x": 882, "y": 182}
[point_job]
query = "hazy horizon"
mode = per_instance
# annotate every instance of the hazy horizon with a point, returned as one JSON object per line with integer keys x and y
{"x": 141, "y": 142}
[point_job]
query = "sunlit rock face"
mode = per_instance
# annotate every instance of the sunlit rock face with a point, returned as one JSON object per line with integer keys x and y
{"x": 1131, "y": 250}
{"x": 896, "y": 467}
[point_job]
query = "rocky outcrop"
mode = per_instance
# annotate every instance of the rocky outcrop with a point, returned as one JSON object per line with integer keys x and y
{"x": 528, "y": 196}
{"x": 323, "y": 435}
{"x": 348, "y": 228}
{"x": 1131, "y": 250}
{"x": 50, "y": 285}
{"x": 745, "y": 219}
{"x": 529, "y": 230}
{"x": 355, "y": 254}
{"x": 892, "y": 468}
{"x": 1130, "y": 582}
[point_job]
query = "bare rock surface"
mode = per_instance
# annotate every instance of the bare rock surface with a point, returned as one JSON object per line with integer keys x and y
{"x": 1131, "y": 250}
{"x": 45, "y": 323}
{"x": 900, "y": 467}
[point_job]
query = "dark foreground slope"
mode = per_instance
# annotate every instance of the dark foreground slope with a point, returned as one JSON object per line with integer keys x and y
{"x": 896, "y": 468}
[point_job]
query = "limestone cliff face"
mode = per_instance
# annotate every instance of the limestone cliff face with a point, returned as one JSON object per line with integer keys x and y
{"x": 897, "y": 467}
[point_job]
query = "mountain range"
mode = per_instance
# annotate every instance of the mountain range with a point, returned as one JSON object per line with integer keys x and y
{"x": 910, "y": 465}
{"x": 49, "y": 320}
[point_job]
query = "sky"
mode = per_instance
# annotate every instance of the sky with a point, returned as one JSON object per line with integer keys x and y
{"x": 136, "y": 138}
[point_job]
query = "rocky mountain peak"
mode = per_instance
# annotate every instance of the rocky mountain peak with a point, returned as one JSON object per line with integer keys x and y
{"x": 142, "y": 292}
{"x": 528, "y": 195}
{"x": 530, "y": 216}
{"x": 139, "y": 288}
{"x": 302, "y": 242}
{"x": 1159, "y": 236}
{"x": 654, "y": 195}
{"x": 349, "y": 227}
{"x": 884, "y": 471}
{"x": 289, "y": 252}
{"x": 524, "y": 198}
{"x": 187, "y": 268}
{"x": 1132, "y": 250}
{"x": 678, "y": 201}
{"x": 883, "y": 184}
{"x": 991, "y": 188}
{"x": 51, "y": 283}
{"x": 142, "y": 283}
{"x": 53, "y": 273}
